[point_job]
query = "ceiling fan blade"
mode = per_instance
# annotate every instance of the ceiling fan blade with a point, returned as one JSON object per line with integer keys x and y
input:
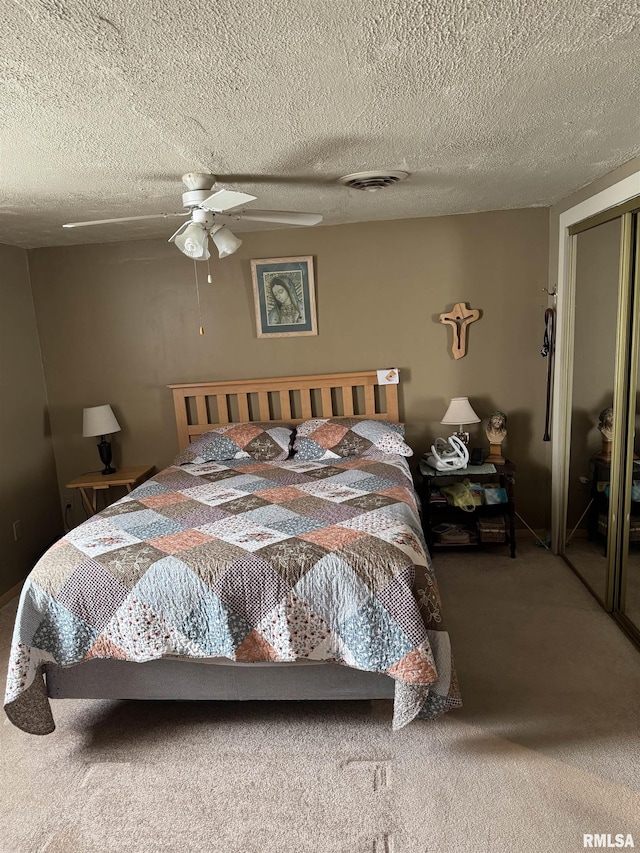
{"x": 123, "y": 219}
{"x": 286, "y": 217}
{"x": 182, "y": 228}
{"x": 225, "y": 200}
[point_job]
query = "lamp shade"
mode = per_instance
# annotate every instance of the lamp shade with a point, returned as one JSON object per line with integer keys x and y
{"x": 226, "y": 242}
{"x": 194, "y": 242}
{"x": 460, "y": 412}
{"x": 99, "y": 420}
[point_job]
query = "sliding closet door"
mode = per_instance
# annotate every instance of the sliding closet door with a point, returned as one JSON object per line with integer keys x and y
{"x": 591, "y": 514}
{"x": 626, "y": 603}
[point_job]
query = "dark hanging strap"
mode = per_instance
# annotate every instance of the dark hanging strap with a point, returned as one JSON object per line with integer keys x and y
{"x": 547, "y": 352}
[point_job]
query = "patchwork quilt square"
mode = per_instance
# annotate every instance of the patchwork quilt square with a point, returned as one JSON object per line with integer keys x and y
{"x": 250, "y": 484}
{"x": 251, "y": 572}
{"x": 176, "y": 479}
{"x": 245, "y": 534}
{"x": 374, "y": 639}
{"x": 334, "y": 537}
{"x": 180, "y": 509}
{"x": 92, "y": 593}
{"x": 213, "y": 494}
{"x": 296, "y": 525}
{"x": 269, "y": 514}
{"x": 159, "y": 526}
{"x": 292, "y": 558}
{"x": 403, "y": 608}
{"x": 325, "y": 511}
{"x": 331, "y": 491}
{"x": 332, "y": 590}
{"x": 202, "y": 515}
{"x": 181, "y": 541}
{"x": 280, "y": 494}
{"x": 140, "y": 517}
{"x": 210, "y": 560}
{"x": 167, "y": 499}
{"x": 63, "y": 635}
{"x": 52, "y": 573}
{"x": 245, "y": 504}
{"x": 127, "y": 565}
{"x": 99, "y": 535}
{"x": 375, "y": 562}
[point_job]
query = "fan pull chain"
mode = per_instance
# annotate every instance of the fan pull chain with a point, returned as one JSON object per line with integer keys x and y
{"x": 209, "y": 279}
{"x": 195, "y": 272}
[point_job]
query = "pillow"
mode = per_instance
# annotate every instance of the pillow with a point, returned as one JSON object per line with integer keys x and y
{"x": 264, "y": 442}
{"x": 331, "y": 438}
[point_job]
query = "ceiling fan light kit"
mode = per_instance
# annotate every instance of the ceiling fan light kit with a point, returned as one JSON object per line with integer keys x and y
{"x": 226, "y": 242}
{"x": 193, "y": 241}
{"x": 204, "y": 207}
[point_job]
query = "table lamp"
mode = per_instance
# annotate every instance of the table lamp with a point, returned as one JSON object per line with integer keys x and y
{"x": 460, "y": 413}
{"x": 100, "y": 420}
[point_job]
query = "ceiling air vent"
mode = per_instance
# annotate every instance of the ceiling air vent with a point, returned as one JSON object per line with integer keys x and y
{"x": 372, "y": 181}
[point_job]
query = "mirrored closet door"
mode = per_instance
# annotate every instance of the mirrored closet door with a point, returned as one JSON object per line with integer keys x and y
{"x": 597, "y": 275}
{"x": 626, "y": 601}
{"x": 601, "y": 539}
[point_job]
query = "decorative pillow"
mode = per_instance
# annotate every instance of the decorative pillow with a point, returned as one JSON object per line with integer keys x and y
{"x": 264, "y": 442}
{"x": 331, "y": 438}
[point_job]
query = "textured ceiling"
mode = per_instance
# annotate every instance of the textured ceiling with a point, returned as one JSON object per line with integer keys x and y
{"x": 489, "y": 105}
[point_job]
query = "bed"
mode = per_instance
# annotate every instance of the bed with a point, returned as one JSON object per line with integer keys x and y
{"x": 280, "y": 556}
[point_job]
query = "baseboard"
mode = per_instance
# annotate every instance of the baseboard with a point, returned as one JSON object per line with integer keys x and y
{"x": 6, "y": 597}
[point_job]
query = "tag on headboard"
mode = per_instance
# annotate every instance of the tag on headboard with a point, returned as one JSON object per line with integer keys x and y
{"x": 388, "y": 376}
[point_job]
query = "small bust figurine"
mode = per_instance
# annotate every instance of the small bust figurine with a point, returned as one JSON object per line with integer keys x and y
{"x": 496, "y": 432}
{"x": 605, "y": 423}
{"x": 497, "y": 428}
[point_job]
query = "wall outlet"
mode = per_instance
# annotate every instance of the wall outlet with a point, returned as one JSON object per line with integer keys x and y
{"x": 17, "y": 530}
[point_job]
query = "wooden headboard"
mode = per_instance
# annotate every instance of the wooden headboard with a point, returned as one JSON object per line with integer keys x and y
{"x": 200, "y": 406}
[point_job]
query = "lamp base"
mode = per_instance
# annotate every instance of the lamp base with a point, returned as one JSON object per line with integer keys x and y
{"x": 104, "y": 449}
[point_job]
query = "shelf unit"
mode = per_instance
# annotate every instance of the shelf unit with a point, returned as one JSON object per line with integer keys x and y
{"x": 492, "y": 517}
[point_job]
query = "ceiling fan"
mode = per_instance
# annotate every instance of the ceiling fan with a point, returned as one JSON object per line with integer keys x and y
{"x": 204, "y": 207}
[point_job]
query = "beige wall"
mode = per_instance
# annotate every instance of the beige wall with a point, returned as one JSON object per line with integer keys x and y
{"x": 28, "y": 490}
{"x": 118, "y": 322}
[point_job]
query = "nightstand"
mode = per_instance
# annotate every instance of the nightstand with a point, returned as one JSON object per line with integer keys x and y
{"x": 484, "y": 525}
{"x": 97, "y": 482}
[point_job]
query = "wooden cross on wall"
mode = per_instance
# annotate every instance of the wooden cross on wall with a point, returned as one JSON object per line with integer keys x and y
{"x": 460, "y": 318}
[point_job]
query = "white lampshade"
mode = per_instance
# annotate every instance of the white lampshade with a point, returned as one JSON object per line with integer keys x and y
{"x": 460, "y": 412}
{"x": 194, "y": 242}
{"x": 99, "y": 420}
{"x": 226, "y": 242}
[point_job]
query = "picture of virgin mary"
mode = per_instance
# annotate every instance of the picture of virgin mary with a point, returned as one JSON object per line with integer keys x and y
{"x": 284, "y": 307}
{"x": 284, "y": 297}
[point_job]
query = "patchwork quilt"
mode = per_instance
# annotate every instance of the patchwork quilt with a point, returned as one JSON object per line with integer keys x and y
{"x": 246, "y": 560}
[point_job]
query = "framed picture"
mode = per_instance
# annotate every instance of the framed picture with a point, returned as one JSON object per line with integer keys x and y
{"x": 285, "y": 300}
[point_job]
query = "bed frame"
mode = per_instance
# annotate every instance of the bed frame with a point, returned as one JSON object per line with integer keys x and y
{"x": 199, "y": 407}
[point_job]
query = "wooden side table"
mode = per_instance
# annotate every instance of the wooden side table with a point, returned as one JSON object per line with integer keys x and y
{"x": 128, "y": 477}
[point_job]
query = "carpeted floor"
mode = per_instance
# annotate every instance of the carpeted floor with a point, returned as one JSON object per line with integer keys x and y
{"x": 546, "y": 748}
